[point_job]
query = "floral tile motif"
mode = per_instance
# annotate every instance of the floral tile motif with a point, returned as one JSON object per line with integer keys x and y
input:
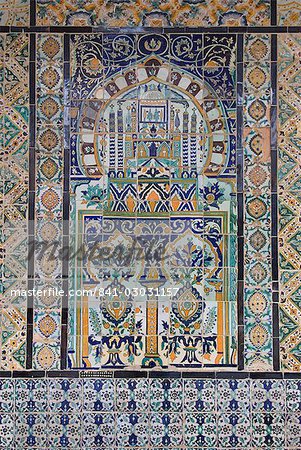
{"x": 293, "y": 395}
{"x": 166, "y": 429}
{"x": 14, "y": 122}
{"x": 7, "y": 396}
{"x": 65, "y": 395}
{"x": 199, "y": 396}
{"x": 31, "y": 430}
{"x": 49, "y": 193}
{"x": 233, "y": 429}
{"x": 267, "y": 395}
{"x": 14, "y": 12}
{"x": 152, "y": 14}
{"x": 7, "y": 426}
{"x": 132, "y": 430}
{"x": 98, "y": 395}
{"x": 233, "y": 395}
{"x": 64, "y": 430}
{"x": 257, "y": 200}
{"x": 166, "y": 395}
{"x": 31, "y": 396}
{"x": 289, "y": 12}
{"x": 132, "y": 395}
{"x": 293, "y": 430}
{"x": 268, "y": 430}
{"x": 98, "y": 430}
{"x": 200, "y": 430}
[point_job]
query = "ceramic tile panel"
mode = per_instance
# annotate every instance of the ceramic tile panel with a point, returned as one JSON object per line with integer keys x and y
{"x": 153, "y": 181}
{"x": 14, "y": 12}
{"x": 289, "y": 200}
{"x": 49, "y": 201}
{"x": 14, "y": 157}
{"x": 258, "y": 331}
{"x": 153, "y": 14}
{"x": 253, "y": 414}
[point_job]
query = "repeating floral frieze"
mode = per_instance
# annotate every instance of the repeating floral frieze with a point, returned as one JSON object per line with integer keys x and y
{"x": 49, "y": 201}
{"x": 257, "y": 204}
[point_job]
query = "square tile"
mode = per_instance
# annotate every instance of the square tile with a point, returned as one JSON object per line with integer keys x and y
{"x": 132, "y": 395}
{"x": 166, "y": 430}
{"x": 199, "y": 395}
{"x": 132, "y": 430}
{"x": 98, "y": 395}
{"x": 166, "y": 395}
{"x": 65, "y": 395}
{"x": 31, "y": 396}
{"x": 99, "y": 430}
{"x": 200, "y": 430}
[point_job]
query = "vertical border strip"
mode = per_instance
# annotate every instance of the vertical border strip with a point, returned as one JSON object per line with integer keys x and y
{"x": 33, "y": 13}
{"x": 66, "y": 203}
{"x": 274, "y": 205}
{"x": 240, "y": 203}
{"x": 32, "y": 195}
{"x": 273, "y": 12}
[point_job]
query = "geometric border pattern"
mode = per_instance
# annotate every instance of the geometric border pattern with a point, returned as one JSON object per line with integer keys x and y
{"x": 14, "y": 111}
{"x": 289, "y": 201}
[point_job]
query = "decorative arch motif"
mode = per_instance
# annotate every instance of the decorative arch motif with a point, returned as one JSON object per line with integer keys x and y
{"x": 153, "y": 167}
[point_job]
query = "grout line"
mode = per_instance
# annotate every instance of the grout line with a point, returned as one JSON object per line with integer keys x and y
{"x": 66, "y": 204}
{"x": 274, "y": 204}
{"x": 240, "y": 203}
{"x": 32, "y": 197}
{"x": 272, "y": 29}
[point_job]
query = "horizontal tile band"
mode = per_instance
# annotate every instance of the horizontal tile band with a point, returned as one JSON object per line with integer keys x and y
{"x": 147, "y": 374}
{"x": 143, "y": 30}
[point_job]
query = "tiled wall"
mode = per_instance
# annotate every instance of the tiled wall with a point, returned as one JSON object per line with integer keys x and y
{"x": 234, "y": 94}
{"x": 156, "y": 413}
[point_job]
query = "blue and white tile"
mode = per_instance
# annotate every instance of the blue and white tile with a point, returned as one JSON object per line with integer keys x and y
{"x": 200, "y": 430}
{"x": 132, "y": 430}
{"x": 233, "y": 429}
{"x": 98, "y": 430}
{"x": 233, "y": 395}
{"x": 199, "y": 395}
{"x": 268, "y": 395}
{"x": 132, "y": 395}
{"x": 64, "y": 431}
{"x": 268, "y": 430}
{"x": 7, "y": 429}
{"x": 166, "y": 395}
{"x": 7, "y": 396}
{"x": 293, "y": 395}
{"x": 31, "y": 395}
{"x": 65, "y": 395}
{"x": 166, "y": 429}
{"x": 293, "y": 430}
{"x": 98, "y": 395}
{"x": 31, "y": 430}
